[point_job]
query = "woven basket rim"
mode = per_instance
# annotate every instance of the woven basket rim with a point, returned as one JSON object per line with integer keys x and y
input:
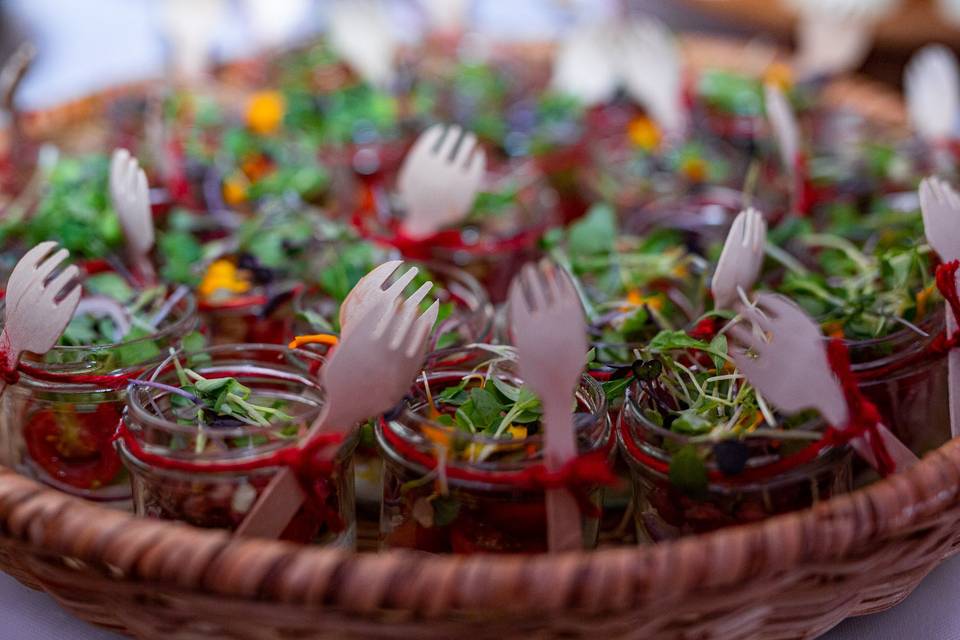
{"x": 55, "y": 523}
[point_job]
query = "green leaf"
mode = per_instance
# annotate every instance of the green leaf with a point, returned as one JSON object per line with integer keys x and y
{"x": 109, "y": 284}
{"x": 691, "y": 422}
{"x": 616, "y": 389}
{"x": 193, "y": 341}
{"x": 595, "y": 233}
{"x": 136, "y": 349}
{"x": 483, "y": 408}
{"x": 718, "y": 345}
{"x": 688, "y": 472}
{"x": 180, "y": 254}
{"x": 636, "y": 323}
{"x": 453, "y": 395}
{"x": 670, "y": 340}
{"x": 507, "y": 390}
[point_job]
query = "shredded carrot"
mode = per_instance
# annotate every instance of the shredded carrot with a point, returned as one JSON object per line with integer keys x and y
{"x": 316, "y": 338}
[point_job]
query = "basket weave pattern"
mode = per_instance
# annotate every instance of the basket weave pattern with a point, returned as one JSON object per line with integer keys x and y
{"x": 793, "y": 576}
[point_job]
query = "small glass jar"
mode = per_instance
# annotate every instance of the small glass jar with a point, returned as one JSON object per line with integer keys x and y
{"x": 491, "y": 251}
{"x": 665, "y": 511}
{"x": 704, "y": 215}
{"x": 907, "y": 381}
{"x": 165, "y": 457}
{"x": 62, "y": 413}
{"x": 443, "y": 493}
{"x": 255, "y": 318}
{"x": 468, "y": 320}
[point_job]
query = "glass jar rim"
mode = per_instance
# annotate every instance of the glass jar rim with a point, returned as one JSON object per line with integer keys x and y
{"x": 484, "y": 308}
{"x": 138, "y": 411}
{"x": 173, "y": 327}
{"x": 637, "y": 420}
{"x": 180, "y": 326}
{"x": 587, "y": 383}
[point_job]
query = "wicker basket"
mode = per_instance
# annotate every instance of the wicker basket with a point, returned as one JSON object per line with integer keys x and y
{"x": 793, "y": 576}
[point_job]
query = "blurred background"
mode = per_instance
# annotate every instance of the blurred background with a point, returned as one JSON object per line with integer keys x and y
{"x": 85, "y": 45}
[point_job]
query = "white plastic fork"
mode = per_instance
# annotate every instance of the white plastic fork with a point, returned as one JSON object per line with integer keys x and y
{"x": 784, "y": 357}
{"x": 740, "y": 261}
{"x": 35, "y": 321}
{"x": 783, "y": 124}
{"x": 359, "y": 32}
{"x": 584, "y": 65}
{"x": 834, "y": 36}
{"x": 189, "y": 26}
{"x": 549, "y": 331}
{"x": 439, "y": 179}
{"x": 370, "y": 291}
{"x": 932, "y": 90}
{"x": 652, "y": 72}
{"x": 11, "y": 76}
{"x": 940, "y": 208}
{"x": 36, "y": 264}
{"x": 370, "y": 370}
{"x": 131, "y": 200}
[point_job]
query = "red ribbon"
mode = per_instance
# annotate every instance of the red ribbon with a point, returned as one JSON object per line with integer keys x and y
{"x": 423, "y": 248}
{"x": 805, "y": 191}
{"x": 305, "y": 461}
{"x": 864, "y": 420}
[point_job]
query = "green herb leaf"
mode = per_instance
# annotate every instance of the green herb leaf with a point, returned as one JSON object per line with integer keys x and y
{"x": 595, "y": 233}
{"x": 688, "y": 472}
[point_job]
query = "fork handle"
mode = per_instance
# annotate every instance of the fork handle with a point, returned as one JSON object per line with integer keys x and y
{"x": 143, "y": 268}
{"x": 953, "y": 376}
{"x": 282, "y": 497}
{"x": 564, "y": 523}
{"x": 903, "y": 458}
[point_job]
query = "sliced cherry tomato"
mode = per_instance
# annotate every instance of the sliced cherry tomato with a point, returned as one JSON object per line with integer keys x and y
{"x": 75, "y": 447}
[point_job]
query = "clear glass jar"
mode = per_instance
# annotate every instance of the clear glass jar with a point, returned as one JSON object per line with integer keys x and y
{"x": 257, "y": 318}
{"x": 470, "y": 502}
{"x": 491, "y": 250}
{"x": 62, "y": 413}
{"x": 908, "y": 382}
{"x": 704, "y": 215}
{"x": 469, "y": 319}
{"x": 665, "y": 511}
{"x": 167, "y": 480}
